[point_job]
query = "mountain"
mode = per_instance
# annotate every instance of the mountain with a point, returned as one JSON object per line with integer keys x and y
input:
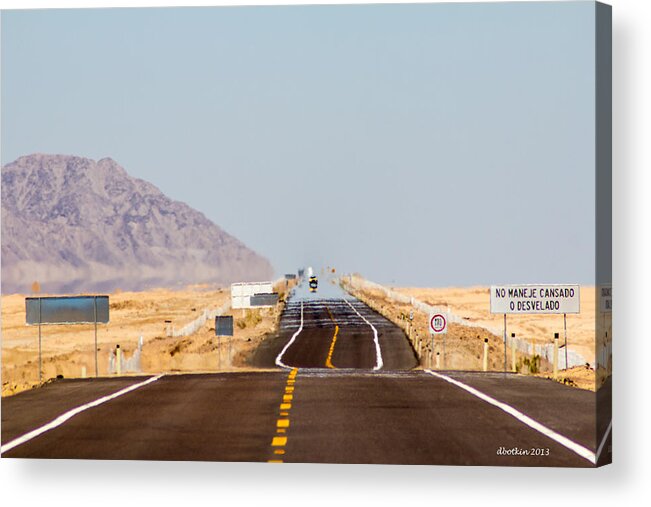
{"x": 77, "y": 225}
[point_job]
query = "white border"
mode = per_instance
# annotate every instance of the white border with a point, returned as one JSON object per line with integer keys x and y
{"x": 43, "y": 482}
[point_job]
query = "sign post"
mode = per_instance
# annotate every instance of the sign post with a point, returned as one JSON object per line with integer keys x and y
{"x": 535, "y": 299}
{"x": 95, "y": 319}
{"x": 565, "y": 331}
{"x": 438, "y": 324}
{"x": 505, "y": 343}
{"x": 65, "y": 310}
{"x": 223, "y": 327}
{"x": 40, "y": 362}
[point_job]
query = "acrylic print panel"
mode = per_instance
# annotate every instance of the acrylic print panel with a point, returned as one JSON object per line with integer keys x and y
{"x": 374, "y": 174}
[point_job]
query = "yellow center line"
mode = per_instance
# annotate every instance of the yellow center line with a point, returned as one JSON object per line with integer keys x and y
{"x": 328, "y": 362}
{"x": 282, "y": 424}
{"x": 279, "y": 441}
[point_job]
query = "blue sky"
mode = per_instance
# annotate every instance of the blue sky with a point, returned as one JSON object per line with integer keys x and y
{"x": 429, "y": 145}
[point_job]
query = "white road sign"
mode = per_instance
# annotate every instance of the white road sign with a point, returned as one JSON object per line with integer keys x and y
{"x": 606, "y": 298}
{"x": 241, "y": 292}
{"x": 438, "y": 323}
{"x": 535, "y": 299}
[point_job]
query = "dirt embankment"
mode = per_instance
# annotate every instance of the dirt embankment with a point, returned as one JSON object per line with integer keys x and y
{"x": 69, "y": 350}
{"x": 462, "y": 348}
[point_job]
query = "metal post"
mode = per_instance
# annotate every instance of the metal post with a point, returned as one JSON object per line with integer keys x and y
{"x": 445, "y": 363}
{"x": 95, "y": 319}
{"x": 505, "y": 343}
{"x": 565, "y": 329}
{"x": 555, "y": 358}
{"x": 431, "y": 353}
{"x": 40, "y": 361}
{"x": 513, "y": 355}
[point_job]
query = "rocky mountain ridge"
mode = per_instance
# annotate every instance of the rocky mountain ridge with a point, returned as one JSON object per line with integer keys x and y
{"x": 74, "y": 224}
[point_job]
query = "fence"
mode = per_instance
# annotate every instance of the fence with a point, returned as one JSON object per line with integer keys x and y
{"x": 127, "y": 365}
{"x": 545, "y": 351}
{"x": 198, "y": 323}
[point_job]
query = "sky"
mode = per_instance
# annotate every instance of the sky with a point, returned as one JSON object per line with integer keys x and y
{"x": 422, "y": 145}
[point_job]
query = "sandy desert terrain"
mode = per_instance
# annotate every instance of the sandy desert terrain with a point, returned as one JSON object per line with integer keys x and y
{"x": 68, "y": 349}
{"x": 464, "y": 344}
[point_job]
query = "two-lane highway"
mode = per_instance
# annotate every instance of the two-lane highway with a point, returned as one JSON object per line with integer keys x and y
{"x": 336, "y": 333}
{"x": 344, "y": 390}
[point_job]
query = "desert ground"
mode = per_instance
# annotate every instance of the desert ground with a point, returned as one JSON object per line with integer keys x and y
{"x": 464, "y": 344}
{"x": 473, "y": 305}
{"x": 68, "y": 350}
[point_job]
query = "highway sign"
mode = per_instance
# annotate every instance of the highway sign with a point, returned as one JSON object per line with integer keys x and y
{"x": 542, "y": 299}
{"x": 241, "y": 292}
{"x": 67, "y": 310}
{"x": 259, "y": 300}
{"x": 438, "y": 323}
{"x": 224, "y": 325}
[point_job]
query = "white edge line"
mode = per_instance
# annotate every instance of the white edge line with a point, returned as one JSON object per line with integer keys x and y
{"x": 603, "y": 440}
{"x": 564, "y": 441}
{"x": 71, "y": 413}
{"x": 279, "y": 360}
{"x": 378, "y": 353}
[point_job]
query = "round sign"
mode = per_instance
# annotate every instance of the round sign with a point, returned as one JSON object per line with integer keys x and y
{"x": 438, "y": 323}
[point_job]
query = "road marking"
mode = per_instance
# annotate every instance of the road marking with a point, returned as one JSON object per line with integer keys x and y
{"x": 378, "y": 354}
{"x": 279, "y": 360}
{"x": 328, "y": 362}
{"x": 71, "y": 413}
{"x": 279, "y": 441}
{"x": 564, "y": 441}
{"x": 603, "y": 441}
{"x": 282, "y": 424}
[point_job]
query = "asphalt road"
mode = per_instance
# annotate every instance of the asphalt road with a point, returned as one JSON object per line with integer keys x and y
{"x": 348, "y": 393}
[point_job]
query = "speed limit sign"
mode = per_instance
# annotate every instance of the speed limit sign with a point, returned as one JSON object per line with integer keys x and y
{"x": 438, "y": 323}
